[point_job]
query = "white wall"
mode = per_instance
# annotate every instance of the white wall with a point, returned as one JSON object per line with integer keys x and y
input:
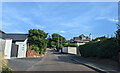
{"x": 80, "y": 44}
{"x": 65, "y": 49}
{"x": 22, "y": 49}
{"x": 2, "y": 46}
{"x": 71, "y": 50}
{"x": 7, "y": 51}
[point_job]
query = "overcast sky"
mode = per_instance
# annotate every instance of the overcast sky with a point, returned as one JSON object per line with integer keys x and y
{"x": 70, "y": 19}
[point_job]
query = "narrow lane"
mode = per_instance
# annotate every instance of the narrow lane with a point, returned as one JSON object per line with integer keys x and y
{"x": 54, "y": 61}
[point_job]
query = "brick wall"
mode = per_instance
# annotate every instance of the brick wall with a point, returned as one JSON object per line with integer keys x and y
{"x": 32, "y": 53}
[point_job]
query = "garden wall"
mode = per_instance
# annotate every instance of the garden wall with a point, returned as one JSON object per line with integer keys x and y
{"x": 32, "y": 53}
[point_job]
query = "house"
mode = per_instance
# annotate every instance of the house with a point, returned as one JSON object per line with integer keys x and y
{"x": 15, "y": 45}
{"x": 2, "y": 42}
{"x": 81, "y": 40}
{"x": 99, "y": 38}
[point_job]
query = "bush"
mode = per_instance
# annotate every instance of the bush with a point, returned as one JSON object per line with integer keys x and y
{"x": 37, "y": 38}
{"x": 36, "y": 48}
{"x": 3, "y": 67}
{"x": 6, "y": 69}
{"x": 103, "y": 49}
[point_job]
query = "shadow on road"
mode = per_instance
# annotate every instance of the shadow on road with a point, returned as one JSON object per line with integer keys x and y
{"x": 67, "y": 58}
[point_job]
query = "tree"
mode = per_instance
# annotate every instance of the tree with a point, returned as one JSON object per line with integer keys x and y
{"x": 53, "y": 45}
{"x": 37, "y": 39}
{"x": 49, "y": 40}
{"x": 58, "y": 41}
{"x": 118, "y": 34}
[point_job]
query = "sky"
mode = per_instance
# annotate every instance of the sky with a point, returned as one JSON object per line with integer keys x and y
{"x": 69, "y": 19}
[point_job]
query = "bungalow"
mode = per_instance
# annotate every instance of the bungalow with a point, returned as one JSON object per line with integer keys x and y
{"x": 15, "y": 45}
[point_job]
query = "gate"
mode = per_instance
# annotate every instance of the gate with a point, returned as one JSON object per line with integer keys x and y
{"x": 14, "y": 50}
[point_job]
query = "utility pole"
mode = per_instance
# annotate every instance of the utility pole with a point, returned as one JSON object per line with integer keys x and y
{"x": 61, "y": 41}
{"x": 58, "y": 40}
{"x": 107, "y": 35}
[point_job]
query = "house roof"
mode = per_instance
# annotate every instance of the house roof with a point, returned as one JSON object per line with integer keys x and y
{"x": 15, "y": 37}
{"x": 1, "y": 31}
{"x": 76, "y": 37}
{"x": 80, "y": 38}
{"x": 101, "y": 38}
{"x": 82, "y": 35}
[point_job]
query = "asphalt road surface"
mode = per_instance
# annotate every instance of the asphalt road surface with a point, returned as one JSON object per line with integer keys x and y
{"x": 22, "y": 64}
{"x": 54, "y": 61}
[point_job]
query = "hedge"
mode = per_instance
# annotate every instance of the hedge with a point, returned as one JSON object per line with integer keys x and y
{"x": 107, "y": 48}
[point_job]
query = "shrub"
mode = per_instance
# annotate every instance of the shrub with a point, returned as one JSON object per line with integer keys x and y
{"x": 36, "y": 48}
{"x": 103, "y": 49}
{"x": 6, "y": 69}
{"x": 37, "y": 38}
{"x": 3, "y": 66}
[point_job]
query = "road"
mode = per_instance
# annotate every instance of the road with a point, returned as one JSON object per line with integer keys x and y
{"x": 54, "y": 61}
{"x": 22, "y": 64}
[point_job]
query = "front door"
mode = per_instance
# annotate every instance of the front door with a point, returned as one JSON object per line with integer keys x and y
{"x": 14, "y": 50}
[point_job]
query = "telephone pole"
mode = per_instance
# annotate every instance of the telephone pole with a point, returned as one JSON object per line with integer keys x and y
{"x": 58, "y": 41}
{"x": 61, "y": 41}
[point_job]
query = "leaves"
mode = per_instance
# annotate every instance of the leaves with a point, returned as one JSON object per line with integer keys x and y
{"x": 37, "y": 38}
{"x": 58, "y": 41}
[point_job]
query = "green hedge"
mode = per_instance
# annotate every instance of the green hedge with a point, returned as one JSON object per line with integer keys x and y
{"x": 103, "y": 49}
